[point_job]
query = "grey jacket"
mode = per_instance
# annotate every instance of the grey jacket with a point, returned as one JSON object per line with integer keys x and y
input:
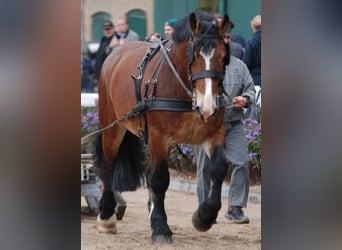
{"x": 237, "y": 82}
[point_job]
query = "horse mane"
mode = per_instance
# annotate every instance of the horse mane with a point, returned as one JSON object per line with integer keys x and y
{"x": 208, "y": 25}
{"x": 182, "y": 30}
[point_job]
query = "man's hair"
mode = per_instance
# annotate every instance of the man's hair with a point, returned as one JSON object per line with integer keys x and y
{"x": 256, "y": 22}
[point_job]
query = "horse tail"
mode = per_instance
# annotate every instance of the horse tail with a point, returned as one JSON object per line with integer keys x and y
{"x": 130, "y": 164}
{"x": 98, "y": 156}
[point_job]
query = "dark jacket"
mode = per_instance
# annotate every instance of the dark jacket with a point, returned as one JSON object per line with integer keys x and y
{"x": 102, "y": 54}
{"x": 252, "y": 57}
{"x": 239, "y": 39}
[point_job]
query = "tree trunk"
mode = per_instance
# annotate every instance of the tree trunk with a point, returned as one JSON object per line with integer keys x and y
{"x": 210, "y": 6}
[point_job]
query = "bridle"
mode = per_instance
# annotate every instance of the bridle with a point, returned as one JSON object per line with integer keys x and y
{"x": 199, "y": 75}
{"x": 190, "y": 54}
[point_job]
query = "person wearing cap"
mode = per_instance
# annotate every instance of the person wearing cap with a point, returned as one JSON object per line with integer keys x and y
{"x": 234, "y": 37}
{"x": 169, "y": 27}
{"x": 235, "y": 48}
{"x": 104, "y": 49}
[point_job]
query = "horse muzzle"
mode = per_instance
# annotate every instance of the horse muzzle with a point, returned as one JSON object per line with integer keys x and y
{"x": 205, "y": 114}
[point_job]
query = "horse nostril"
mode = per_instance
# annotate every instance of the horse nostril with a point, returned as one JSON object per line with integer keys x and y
{"x": 215, "y": 110}
{"x": 198, "y": 111}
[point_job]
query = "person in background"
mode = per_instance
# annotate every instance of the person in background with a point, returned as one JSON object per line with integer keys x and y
{"x": 239, "y": 39}
{"x": 169, "y": 26}
{"x": 104, "y": 48}
{"x": 87, "y": 73}
{"x": 238, "y": 85}
{"x": 234, "y": 37}
{"x": 124, "y": 33}
{"x": 235, "y": 48}
{"x": 252, "y": 56}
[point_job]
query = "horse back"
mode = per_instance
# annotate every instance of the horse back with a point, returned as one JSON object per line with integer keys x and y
{"x": 116, "y": 86}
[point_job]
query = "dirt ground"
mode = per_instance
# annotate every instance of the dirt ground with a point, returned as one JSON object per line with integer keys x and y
{"x": 134, "y": 230}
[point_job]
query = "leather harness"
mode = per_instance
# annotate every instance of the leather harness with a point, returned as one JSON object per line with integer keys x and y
{"x": 151, "y": 103}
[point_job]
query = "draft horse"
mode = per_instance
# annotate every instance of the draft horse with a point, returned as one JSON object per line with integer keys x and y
{"x": 168, "y": 93}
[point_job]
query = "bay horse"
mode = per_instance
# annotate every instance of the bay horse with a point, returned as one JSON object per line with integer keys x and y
{"x": 177, "y": 97}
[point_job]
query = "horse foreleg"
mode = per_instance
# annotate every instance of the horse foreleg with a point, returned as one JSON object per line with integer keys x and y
{"x": 206, "y": 214}
{"x": 158, "y": 180}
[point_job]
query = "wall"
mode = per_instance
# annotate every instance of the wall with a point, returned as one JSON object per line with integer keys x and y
{"x": 158, "y": 11}
{"x": 115, "y": 8}
{"x": 241, "y": 12}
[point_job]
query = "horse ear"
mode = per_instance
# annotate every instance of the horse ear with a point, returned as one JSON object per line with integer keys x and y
{"x": 193, "y": 23}
{"x": 226, "y": 24}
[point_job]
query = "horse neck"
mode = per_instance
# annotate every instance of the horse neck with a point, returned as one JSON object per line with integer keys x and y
{"x": 178, "y": 55}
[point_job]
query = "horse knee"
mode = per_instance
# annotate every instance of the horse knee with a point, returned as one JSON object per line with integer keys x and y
{"x": 159, "y": 179}
{"x": 218, "y": 164}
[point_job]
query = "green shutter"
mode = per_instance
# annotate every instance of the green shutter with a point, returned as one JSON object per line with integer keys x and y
{"x": 137, "y": 22}
{"x": 97, "y": 25}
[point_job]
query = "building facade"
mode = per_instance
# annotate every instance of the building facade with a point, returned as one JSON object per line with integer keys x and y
{"x": 148, "y": 16}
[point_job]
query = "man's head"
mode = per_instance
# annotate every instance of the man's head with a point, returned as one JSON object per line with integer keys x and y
{"x": 108, "y": 28}
{"x": 122, "y": 25}
{"x": 256, "y": 23}
{"x": 169, "y": 26}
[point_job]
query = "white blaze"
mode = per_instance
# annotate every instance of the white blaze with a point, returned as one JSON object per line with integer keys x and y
{"x": 209, "y": 103}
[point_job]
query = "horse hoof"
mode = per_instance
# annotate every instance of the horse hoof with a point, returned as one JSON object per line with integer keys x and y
{"x": 198, "y": 224}
{"x": 162, "y": 239}
{"x": 106, "y": 226}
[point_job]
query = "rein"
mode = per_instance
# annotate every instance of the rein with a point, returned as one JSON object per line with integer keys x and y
{"x": 87, "y": 137}
{"x": 174, "y": 71}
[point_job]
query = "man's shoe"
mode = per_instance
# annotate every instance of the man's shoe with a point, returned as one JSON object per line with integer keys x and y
{"x": 236, "y": 214}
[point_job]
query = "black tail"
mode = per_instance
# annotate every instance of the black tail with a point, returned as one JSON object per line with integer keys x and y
{"x": 129, "y": 165}
{"x": 98, "y": 168}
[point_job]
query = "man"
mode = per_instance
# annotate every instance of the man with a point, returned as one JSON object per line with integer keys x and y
{"x": 169, "y": 26}
{"x": 104, "y": 49}
{"x": 124, "y": 33}
{"x": 239, "y": 87}
{"x": 235, "y": 48}
{"x": 252, "y": 56}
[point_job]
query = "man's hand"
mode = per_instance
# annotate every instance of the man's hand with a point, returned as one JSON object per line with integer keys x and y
{"x": 239, "y": 102}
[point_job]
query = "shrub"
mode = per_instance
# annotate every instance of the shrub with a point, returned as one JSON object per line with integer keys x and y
{"x": 182, "y": 158}
{"x": 89, "y": 123}
{"x": 253, "y": 132}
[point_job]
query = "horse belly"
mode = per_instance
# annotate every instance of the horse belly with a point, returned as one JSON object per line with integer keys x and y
{"x": 186, "y": 127}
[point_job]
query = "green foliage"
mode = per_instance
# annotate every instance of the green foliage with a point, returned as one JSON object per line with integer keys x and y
{"x": 89, "y": 123}
{"x": 182, "y": 158}
{"x": 253, "y": 133}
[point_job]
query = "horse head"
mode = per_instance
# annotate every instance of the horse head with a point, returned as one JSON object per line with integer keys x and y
{"x": 206, "y": 54}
